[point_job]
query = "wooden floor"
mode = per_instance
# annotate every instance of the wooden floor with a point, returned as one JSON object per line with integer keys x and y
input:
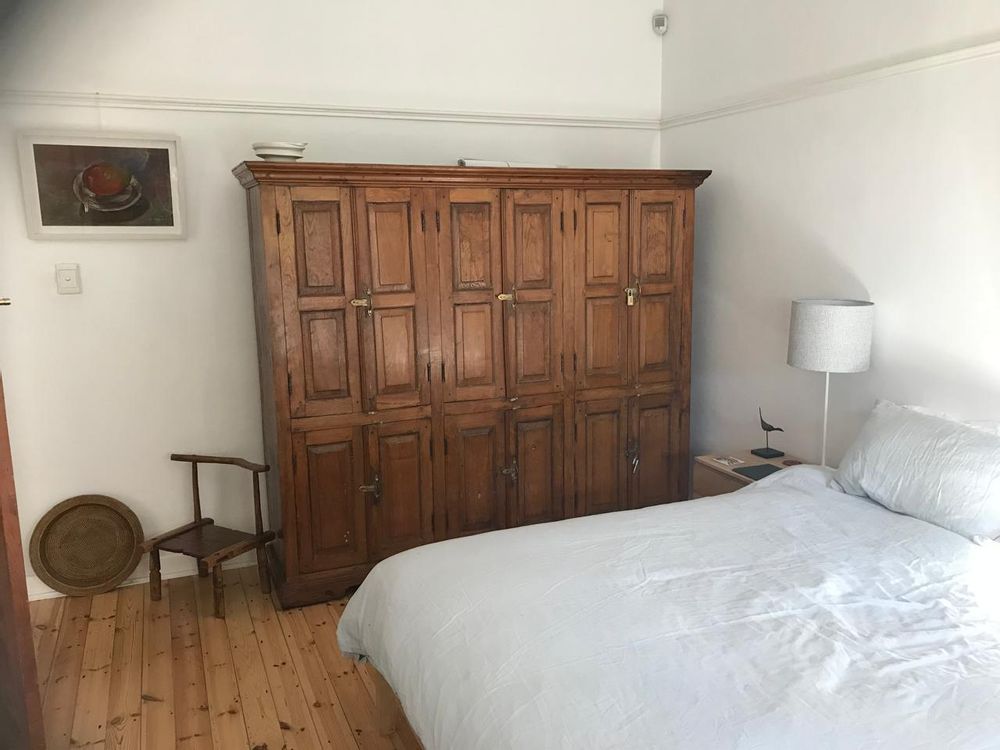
{"x": 121, "y": 671}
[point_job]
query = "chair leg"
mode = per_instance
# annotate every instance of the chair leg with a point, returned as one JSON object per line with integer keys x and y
{"x": 202, "y": 569}
{"x": 218, "y": 589}
{"x": 154, "y": 574}
{"x": 262, "y": 572}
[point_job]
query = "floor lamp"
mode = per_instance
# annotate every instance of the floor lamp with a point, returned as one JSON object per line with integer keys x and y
{"x": 830, "y": 335}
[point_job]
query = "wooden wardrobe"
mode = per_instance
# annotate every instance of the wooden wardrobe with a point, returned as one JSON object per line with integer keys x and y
{"x": 449, "y": 350}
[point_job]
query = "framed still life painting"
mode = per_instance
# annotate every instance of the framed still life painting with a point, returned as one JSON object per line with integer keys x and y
{"x": 79, "y": 186}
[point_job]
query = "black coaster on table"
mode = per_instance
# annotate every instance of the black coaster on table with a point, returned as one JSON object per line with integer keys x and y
{"x": 757, "y": 472}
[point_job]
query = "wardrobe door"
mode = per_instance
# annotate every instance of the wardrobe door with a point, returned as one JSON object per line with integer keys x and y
{"x": 602, "y": 456}
{"x": 658, "y": 467}
{"x": 317, "y": 274}
{"x": 535, "y": 464}
{"x": 657, "y": 268}
{"x": 602, "y": 275}
{"x": 533, "y": 240}
{"x": 330, "y": 508}
{"x": 471, "y": 272}
{"x": 475, "y": 456}
{"x": 392, "y": 299}
{"x": 398, "y": 486}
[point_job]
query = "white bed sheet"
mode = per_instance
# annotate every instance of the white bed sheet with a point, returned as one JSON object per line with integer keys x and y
{"x": 786, "y": 615}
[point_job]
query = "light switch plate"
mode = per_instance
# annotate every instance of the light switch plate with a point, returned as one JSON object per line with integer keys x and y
{"x": 68, "y": 278}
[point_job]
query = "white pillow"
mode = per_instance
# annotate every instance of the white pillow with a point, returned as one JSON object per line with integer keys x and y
{"x": 988, "y": 425}
{"x": 934, "y": 469}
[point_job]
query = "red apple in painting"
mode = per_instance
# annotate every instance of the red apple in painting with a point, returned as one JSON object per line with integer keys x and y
{"x": 105, "y": 179}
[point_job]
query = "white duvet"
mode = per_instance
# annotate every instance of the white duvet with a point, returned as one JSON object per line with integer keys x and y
{"x": 786, "y": 615}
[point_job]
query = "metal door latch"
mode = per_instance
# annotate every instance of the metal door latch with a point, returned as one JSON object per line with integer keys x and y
{"x": 511, "y": 471}
{"x": 375, "y": 489}
{"x": 365, "y": 302}
{"x": 508, "y": 297}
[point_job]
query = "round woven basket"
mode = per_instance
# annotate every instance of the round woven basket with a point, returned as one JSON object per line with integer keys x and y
{"x": 86, "y": 545}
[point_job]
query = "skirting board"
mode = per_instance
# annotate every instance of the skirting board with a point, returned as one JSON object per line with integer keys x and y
{"x": 172, "y": 566}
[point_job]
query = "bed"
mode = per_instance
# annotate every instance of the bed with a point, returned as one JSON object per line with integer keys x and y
{"x": 785, "y": 615}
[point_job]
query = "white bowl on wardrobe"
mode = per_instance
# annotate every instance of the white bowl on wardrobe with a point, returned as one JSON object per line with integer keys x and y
{"x": 279, "y": 150}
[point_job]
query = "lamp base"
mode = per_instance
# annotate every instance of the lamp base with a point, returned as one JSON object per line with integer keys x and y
{"x": 768, "y": 452}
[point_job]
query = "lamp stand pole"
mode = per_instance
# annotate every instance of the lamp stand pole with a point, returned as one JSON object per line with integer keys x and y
{"x": 826, "y": 414}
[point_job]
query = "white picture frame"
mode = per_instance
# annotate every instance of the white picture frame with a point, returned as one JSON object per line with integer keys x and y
{"x": 106, "y": 186}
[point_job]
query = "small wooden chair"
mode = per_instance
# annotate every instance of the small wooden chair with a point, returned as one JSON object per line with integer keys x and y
{"x": 209, "y": 544}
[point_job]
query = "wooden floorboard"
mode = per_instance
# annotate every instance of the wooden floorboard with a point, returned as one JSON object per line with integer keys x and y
{"x": 225, "y": 709}
{"x": 59, "y": 701}
{"x": 124, "y": 727}
{"x": 122, "y": 672}
{"x": 157, "y": 715}
{"x": 357, "y": 702}
{"x": 296, "y": 719}
{"x": 46, "y": 616}
{"x": 192, "y": 726}
{"x": 91, "y": 714}
{"x": 261, "y": 717}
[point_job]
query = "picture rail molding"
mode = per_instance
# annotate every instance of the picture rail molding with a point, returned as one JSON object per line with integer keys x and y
{"x": 245, "y": 107}
{"x": 965, "y": 50}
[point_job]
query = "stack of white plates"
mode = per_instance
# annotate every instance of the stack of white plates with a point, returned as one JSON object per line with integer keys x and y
{"x": 279, "y": 150}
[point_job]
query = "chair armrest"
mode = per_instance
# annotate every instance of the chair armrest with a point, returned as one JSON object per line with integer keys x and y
{"x": 192, "y": 458}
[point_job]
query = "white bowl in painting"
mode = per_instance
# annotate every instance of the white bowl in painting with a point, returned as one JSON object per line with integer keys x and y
{"x": 279, "y": 150}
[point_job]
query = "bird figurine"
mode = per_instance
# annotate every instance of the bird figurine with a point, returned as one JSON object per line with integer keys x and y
{"x": 767, "y": 451}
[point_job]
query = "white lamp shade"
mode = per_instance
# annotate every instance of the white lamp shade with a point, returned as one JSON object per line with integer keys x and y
{"x": 831, "y": 335}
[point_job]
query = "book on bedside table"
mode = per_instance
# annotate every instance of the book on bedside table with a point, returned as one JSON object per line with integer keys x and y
{"x": 719, "y": 473}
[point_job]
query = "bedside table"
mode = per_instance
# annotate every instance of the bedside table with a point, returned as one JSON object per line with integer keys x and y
{"x": 711, "y": 478}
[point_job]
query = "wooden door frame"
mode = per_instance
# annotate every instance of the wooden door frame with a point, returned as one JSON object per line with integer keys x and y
{"x": 20, "y": 702}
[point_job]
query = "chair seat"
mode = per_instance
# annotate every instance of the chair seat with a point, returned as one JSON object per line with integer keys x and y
{"x": 203, "y": 541}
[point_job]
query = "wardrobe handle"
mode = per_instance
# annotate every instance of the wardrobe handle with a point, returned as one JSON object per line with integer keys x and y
{"x": 632, "y": 454}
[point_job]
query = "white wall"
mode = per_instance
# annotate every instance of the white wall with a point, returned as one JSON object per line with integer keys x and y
{"x": 158, "y": 353}
{"x": 559, "y": 56}
{"x": 719, "y": 50}
{"x": 886, "y": 190}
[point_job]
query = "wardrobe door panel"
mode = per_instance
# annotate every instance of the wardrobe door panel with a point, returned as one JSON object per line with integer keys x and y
{"x": 602, "y": 457}
{"x": 330, "y": 511}
{"x": 397, "y": 374}
{"x": 317, "y": 272}
{"x": 475, "y": 455}
{"x": 533, "y": 241}
{"x": 659, "y": 459}
{"x": 602, "y": 274}
{"x": 535, "y": 468}
{"x": 392, "y": 299}
{"x": 657, "y": 264}
{"x": 471, "y": 273}
{"x": 398, "y": 486}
